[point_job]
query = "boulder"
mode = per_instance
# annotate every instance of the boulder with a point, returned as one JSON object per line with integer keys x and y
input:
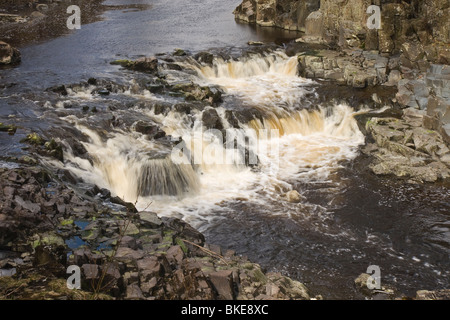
{"x": 314, "y": 24}
{"x": 211, "y": 119}
{"x": 134, "y": 292}
{"x": 223, "y": 283}
{"x": 8, "y": 54}
{"x": 150, "y": 129}
{"x": 246, "y": 11}
{"x": 145, "y": 64}
{"x": 294, "y": 197}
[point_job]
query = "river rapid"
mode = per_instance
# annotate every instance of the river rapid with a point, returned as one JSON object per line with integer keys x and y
{"x": 345, "y": 219}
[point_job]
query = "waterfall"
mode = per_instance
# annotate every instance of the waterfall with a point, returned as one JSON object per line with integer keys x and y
{"x": 256, "y": 161}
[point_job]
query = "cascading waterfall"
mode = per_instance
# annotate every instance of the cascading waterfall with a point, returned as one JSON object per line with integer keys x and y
{"x": 267, "y": 82}
{"x": 207, "y": 168}
{"x": 132, "y": 167}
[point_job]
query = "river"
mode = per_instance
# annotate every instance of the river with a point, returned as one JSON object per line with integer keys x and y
{"x": 347, "y": 218}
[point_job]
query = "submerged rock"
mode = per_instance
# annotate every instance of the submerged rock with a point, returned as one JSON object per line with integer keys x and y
{"x": 9, "y": 55}
{"x": 11, "y": 129}
{"x": 293, "y": 196}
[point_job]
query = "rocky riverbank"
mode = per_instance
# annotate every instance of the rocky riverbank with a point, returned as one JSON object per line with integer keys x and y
{"x": 30, "y": 21}
{"x": 410, "y": 53}
{"x": 49, "y": 222}
{"x": 123, "y": 254}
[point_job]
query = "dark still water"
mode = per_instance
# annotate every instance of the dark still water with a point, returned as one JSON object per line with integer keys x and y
{"x": 347, "y": 220}
{"x": 132, "y": 28}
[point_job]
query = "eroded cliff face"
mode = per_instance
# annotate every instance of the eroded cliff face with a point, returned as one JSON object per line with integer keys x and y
{"x": 285, "y": 14}
{"x": 423, "y": 24}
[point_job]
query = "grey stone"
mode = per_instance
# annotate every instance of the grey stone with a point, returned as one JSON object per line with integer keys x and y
{"x": 134, "y": 292}
{"x": 149, "y": 267}
{"x": 150, "y": 219}
{"x": 223, "y": 283}
{"x": 175, "y": 255}
{"x": 90, "y": 271}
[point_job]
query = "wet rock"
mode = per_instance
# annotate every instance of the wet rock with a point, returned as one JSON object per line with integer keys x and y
{"x": 381, "y": 293}
{"x": 150, "y": 219}
{"x": 185, "y": 231}
{"x": 211, "y": 119}
{"x": 54, "y": 150}
{"x": 34, "y": 138}
{"x": 179, "y": 52}
{"x": 130, "y": 207}
{"x": 9, "y": 55}
{"x": 147, "y": 64}
{"x": 50, "y": 257}
{"x": 102, "y": 92}
{"x": 62, "y": 90}
{"x": 194, "y": 92}
{"x": 361, "y": 283}
{"x": 294, "y": 197}
{"x": 433, "y": 295}
{"x": 164, "y": 259}
{"x": 204, "y": 57}
{"x": 86, "y": 256}
{"x": 150, "y": 129}
{"x": 173, "y": 66}
{"x": 11, "y": 129}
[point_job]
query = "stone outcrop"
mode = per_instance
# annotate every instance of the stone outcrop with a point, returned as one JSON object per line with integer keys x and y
{"x": 403, "y": 148}
{"x": 290, "y": 15}
{"x": 418, "y": 29}
{"x": 355, "y": 68}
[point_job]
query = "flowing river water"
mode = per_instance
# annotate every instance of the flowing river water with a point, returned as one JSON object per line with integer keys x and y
{"x": 346, "y": 220}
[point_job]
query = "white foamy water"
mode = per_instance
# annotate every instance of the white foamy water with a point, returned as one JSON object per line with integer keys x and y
{"x": 267, "y": 82}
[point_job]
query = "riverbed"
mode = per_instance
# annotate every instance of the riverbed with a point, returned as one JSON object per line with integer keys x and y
{"x": 347, "y": 219}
